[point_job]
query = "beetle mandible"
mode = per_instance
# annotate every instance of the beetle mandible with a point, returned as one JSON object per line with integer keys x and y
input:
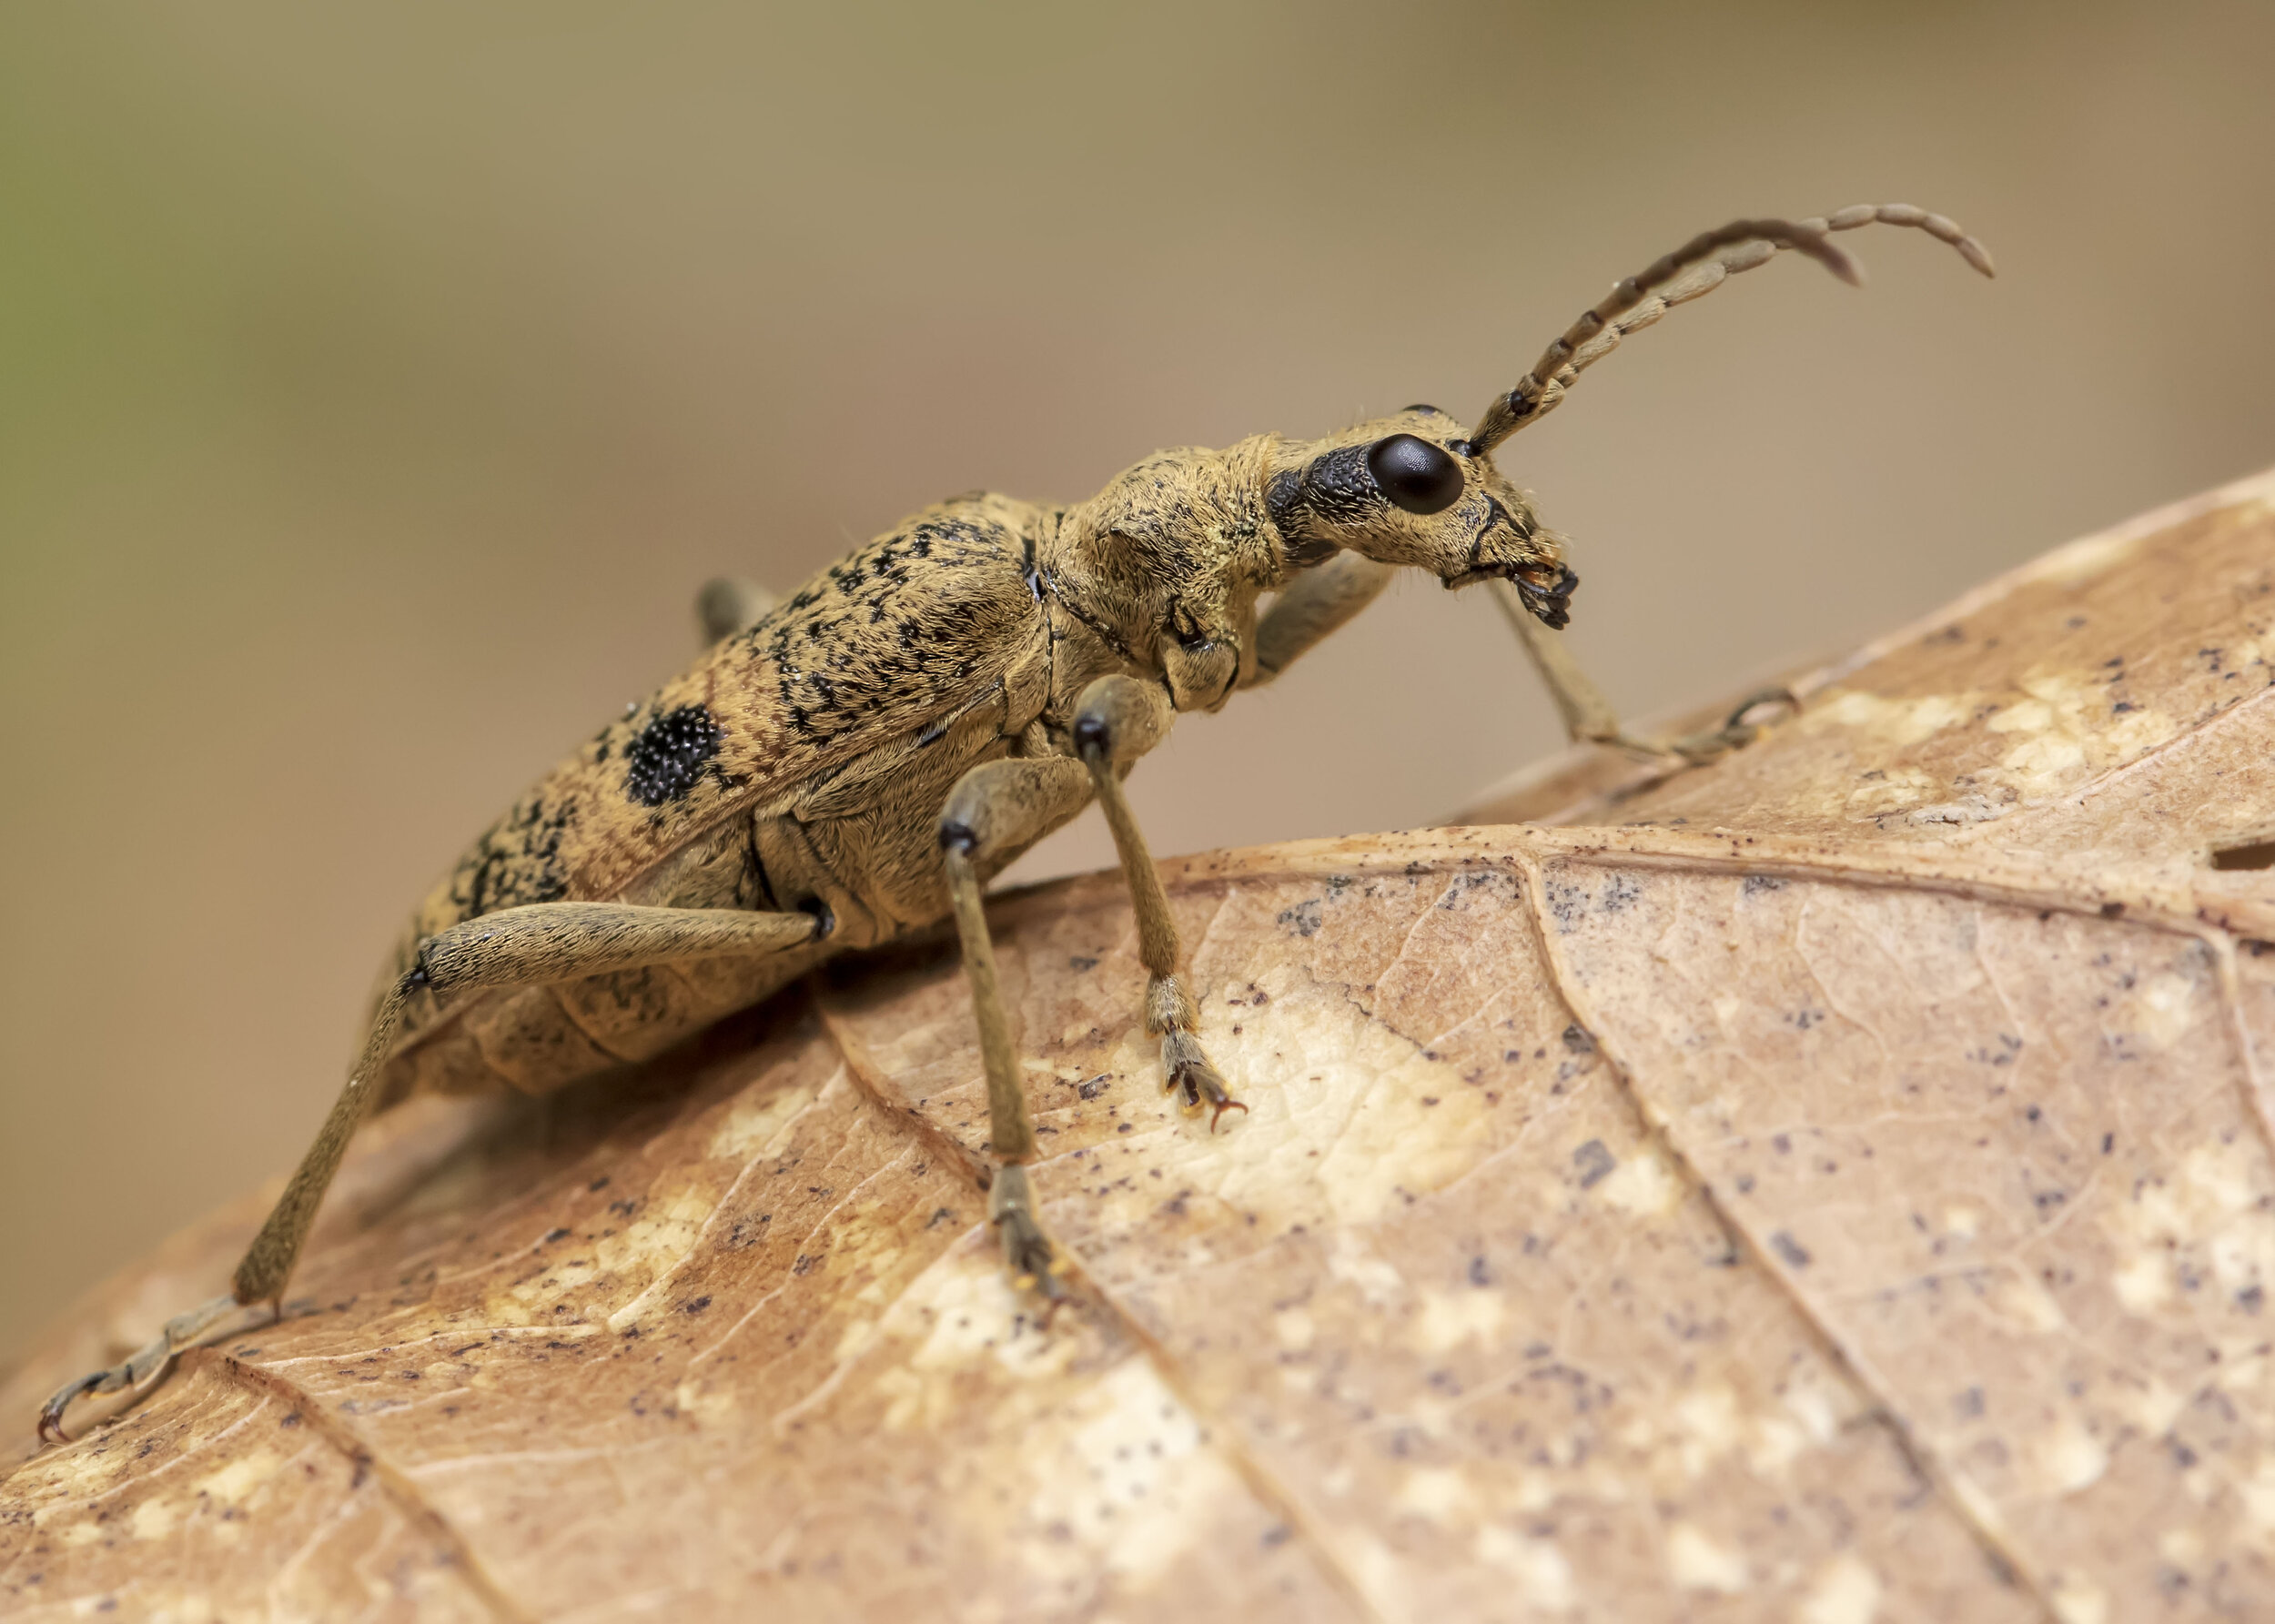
{"x": 858, "y": 761}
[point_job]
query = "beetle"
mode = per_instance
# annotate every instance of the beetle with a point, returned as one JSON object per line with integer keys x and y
{"x": 857, "y": 762}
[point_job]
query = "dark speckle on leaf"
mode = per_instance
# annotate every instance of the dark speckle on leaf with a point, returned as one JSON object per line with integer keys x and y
{"x": 667, "y": 756}
{"x": 1303, "y": 919}
{"x": 1592, "y": 1161}
{"x": 1793, "y": 1252}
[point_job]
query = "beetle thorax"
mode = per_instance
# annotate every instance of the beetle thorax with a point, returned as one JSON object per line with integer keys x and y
{"x": 1164, "y": 566}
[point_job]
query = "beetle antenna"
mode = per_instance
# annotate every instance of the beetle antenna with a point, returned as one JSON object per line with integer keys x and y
{"x": 1698, "y": 266}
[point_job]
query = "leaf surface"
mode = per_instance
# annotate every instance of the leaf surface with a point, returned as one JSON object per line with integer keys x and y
{"x": 1833, "y": 1184}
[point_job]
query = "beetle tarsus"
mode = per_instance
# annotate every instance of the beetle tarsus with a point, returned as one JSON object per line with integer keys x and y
{"x": 1034, "y": 1264}
{"x": 152, "y": 1360}
{"x": 1738, "y": 731}
{"x": 1201, "y": 1083}
{"x": 51, "y": 1413}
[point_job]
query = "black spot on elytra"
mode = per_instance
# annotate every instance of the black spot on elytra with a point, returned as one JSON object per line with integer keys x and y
{"x": 667, "y": 757}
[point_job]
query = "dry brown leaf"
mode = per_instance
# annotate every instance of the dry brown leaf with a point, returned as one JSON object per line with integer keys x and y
{"x": 1833, "y": 1185}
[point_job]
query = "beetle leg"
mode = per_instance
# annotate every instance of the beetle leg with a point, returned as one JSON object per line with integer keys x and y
{"x": 142, "y": 1371}
{"x": 563, "y": 940}
{"x": 997, "y": 809}
{"x": 514, "y": 946}
{"x": 1315, "y": 603}
{"x": 730, "y": 604}
{"x": 1116, "y": 720}
{"x": 1589, "y": 717}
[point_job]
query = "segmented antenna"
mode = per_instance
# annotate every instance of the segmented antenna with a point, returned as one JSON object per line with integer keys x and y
{"x": 1698, "y": 266}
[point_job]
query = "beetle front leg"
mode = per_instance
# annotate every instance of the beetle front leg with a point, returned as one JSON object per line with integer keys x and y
{"x": 1589, "y": 717}
{"x": 1116, "y": 720}
{"x": 995, "y": 809}
{"x": 1316, "y": 603}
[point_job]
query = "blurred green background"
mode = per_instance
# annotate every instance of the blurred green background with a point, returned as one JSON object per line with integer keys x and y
{"x": 376, "y": 384}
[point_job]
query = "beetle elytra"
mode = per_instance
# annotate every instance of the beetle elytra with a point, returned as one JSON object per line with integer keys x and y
{"x": 857, "y": 762}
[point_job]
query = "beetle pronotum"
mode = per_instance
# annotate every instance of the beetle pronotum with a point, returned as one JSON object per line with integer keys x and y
{"x": 857, "y": 762}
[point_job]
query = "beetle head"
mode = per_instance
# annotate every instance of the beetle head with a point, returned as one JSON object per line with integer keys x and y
{"x": 1166, "y": 563}
{"x": 1409, "y": 490}
{"x": 1419, "y": 489}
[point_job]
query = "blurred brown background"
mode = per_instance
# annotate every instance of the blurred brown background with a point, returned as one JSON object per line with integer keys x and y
{"x": 377, "y": 386}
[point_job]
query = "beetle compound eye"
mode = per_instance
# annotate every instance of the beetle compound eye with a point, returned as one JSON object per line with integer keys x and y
{"x": 1415, "y": 474}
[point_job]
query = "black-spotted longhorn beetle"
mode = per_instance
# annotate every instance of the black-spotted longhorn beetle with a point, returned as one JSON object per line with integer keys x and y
{"x": 857, "y": 762}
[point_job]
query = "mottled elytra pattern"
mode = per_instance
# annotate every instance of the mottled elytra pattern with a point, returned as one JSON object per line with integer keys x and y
{"x": 878, "y": 630}
{"x": 768, "y": 710}
{"x": 1800, "y": 1188}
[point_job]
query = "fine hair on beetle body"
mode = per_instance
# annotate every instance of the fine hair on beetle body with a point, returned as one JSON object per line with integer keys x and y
{"x": 857, "y": 761}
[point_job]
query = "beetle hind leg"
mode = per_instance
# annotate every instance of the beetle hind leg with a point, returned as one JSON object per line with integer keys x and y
{"x": 543, "y": 941}
{"x": 150, "y": 1362}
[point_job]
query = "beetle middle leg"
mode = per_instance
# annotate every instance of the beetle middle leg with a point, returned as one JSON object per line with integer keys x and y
{"x": 512, "y": 947}
{"x": 999, "y": 809}
{"x": 1588, "y": 716}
